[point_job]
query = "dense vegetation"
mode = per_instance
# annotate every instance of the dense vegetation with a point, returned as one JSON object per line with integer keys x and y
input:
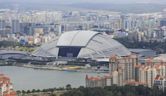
{"x": 8, "y": 44}
{"x": 44, "y": 92}
{"x": 160, "y": 47}
{"x": 116, "y": 91}
{"x": 17, "y": 46}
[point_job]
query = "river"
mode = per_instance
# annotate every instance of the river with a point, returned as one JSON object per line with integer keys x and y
{"x": 28, "y": 78}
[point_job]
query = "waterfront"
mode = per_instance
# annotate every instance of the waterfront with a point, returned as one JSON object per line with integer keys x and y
{"x": 28, "y": 78}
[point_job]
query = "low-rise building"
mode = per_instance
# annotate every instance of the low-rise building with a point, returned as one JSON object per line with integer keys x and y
{"x": 97, "y": 81}
{"x": 160, "y": 82}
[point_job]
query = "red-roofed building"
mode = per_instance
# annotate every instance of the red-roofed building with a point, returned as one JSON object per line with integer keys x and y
{"x": 6, "y": 88}
{"x": 96, "y": 81}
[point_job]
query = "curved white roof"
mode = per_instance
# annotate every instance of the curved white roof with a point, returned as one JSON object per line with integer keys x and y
{"x": 76, "y": 38}
{"x": 92, "y": 45}
{"x": 103, "y": 46}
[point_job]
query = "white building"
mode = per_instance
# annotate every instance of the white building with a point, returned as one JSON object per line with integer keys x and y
{"x": 160, "y": 82}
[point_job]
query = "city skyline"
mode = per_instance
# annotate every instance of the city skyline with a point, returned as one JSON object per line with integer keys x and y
{"x": 82, "y": 47}
{"x": 85, "y": 1}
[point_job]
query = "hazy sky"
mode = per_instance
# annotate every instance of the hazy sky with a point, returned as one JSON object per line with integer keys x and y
{"x": 90, "y": 1}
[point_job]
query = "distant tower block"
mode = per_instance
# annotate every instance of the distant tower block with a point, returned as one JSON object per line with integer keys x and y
{"x": 15, "y": 26}
{"x": 59, "y": 29}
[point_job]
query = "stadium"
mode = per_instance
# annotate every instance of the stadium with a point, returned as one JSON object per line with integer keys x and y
{"x": 82, "y": 44}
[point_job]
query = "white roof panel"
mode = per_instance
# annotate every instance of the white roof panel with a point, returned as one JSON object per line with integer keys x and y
{"x": 76, "y": 38}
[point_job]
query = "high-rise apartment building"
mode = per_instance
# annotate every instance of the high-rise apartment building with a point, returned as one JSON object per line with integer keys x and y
{"x": 2, "y": 26}
{"x": 15, "y": 26}
{"x": 126, "y": 64}
{"x": 147, "y": 73}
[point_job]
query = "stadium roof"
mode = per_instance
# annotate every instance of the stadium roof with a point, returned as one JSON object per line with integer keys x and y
{"x": 82, "y": 44}
{"x": 76, "y": 38}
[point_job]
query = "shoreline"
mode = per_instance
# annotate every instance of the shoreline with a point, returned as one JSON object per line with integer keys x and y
{"x": 61, "y": 69}
{"x": 35, "y": 74}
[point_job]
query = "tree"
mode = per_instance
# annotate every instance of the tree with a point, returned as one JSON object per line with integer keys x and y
{"x": 33, "y": 91}
{"x": 68, "y": 87}
{"x": 23, "y": 91}
{"x": 28, "y": 91}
